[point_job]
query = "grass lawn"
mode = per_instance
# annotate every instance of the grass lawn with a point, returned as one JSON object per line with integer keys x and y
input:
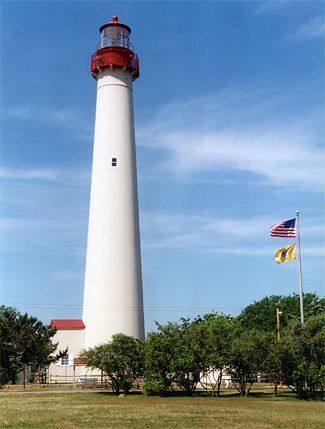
{"x": 101, "y": 410}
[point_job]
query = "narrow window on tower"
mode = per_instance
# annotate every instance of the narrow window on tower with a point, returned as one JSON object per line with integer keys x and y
{"x": 114, "y": 162}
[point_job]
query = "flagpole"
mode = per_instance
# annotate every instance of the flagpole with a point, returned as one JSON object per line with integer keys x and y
{"x": 300, "y": 271}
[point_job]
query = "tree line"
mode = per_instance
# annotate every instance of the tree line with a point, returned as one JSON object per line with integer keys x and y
{"x": 180, "y": 355}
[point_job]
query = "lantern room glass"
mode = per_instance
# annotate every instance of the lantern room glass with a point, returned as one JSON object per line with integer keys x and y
{"x": 115, "y": 35}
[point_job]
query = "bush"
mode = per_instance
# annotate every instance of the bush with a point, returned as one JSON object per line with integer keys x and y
{"x": 121, "y": 359}
{"x": 154, "y": 388}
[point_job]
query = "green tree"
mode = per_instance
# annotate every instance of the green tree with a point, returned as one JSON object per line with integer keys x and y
{"x": 262, "y": 314}
{"x": 122, "y": 360}
{"x": 300, "y": 354}
{"x": 272, "y": 365}
{"x": 190, "y": 355}
{"x": 215, "y": 331}
{"x": 247, "y": 356}
{"x": 176, "y": 354}
{"x": 159, "y": 356}
{"x": 24, "y": 341}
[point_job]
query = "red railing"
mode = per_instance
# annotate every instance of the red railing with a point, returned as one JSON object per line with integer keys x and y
{"x": 115, "y": 56}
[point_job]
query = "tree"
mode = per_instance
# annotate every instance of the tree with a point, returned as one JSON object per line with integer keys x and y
{"x": 24, "y": 341}
{"x": 248, "y": 353}
{"x": 190, "y": 355}
{"x": 122, "y": 360}
{"x": 159, "y": 353}
{"x": 262, "y": 314}
{"x": 301, "y": 357}
{"x": 175, "y": 354}
{"x": 215, "y": 330}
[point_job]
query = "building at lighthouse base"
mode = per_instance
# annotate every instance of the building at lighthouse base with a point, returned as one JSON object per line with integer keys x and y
{"x": 70, "y": 336}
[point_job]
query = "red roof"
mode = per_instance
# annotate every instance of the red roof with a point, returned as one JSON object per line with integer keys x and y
{"x": 67, "y": 324}
{"x": 113, "y": 23}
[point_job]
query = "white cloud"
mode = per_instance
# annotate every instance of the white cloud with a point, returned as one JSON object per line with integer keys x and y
{"x": 198, "y": 231}
{"x": 43, "y": 210}
{"x": 66, "y": 275}
{"x": 316, "y": 251}
{"x": 69, "y": 118}
{"x": 254, "y": 132}
{"x": 29, "y": 174}
{"x": 269, "y": 6}
{"x": 68, "y": 176}
{"x": 215, "y": 235}
{"x": 311, "y": 29}
{"x": 58, "y": 115}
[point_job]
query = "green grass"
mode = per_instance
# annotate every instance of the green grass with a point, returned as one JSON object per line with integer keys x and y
{"x": 101, "y": 411}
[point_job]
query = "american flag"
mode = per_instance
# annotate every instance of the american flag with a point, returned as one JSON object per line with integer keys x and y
{"x": 287, "y": 228}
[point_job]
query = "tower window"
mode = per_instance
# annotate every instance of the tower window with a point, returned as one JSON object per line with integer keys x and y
{"x": 114, "y": 162}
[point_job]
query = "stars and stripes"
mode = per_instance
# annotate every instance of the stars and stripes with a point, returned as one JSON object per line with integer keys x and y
{"x": 285, "y": 229}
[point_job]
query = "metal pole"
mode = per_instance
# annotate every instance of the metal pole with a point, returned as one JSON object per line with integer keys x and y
{"x": 300, "y": 270}
{"x": 25, "y": 375}
{"x": 74, "y": 377}
{"x": 278, "y": 313}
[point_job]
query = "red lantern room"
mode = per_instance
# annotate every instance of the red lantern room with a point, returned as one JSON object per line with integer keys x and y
{"x": 115, "y": 49}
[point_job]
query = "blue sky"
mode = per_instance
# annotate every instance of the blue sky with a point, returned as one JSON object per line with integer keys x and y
{"x": 229, "y": 111}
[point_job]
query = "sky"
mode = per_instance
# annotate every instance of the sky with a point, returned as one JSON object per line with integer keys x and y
{"x": 229, "y": 118}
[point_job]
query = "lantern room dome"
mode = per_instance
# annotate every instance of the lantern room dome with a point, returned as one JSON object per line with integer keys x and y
{"x": 115, "y": 22}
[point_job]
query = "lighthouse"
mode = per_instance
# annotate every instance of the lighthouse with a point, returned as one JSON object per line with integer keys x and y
{"x": 113, "y": 299}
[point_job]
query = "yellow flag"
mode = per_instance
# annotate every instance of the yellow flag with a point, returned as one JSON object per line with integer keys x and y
{"x": 285, "y": 254}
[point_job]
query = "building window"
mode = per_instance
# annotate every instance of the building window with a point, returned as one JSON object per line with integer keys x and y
{"x": 65, "y": 360}
{"x": 114, "y": 162}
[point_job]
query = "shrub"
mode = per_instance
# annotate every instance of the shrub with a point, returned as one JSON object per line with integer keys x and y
{"x": 154, "y": 388}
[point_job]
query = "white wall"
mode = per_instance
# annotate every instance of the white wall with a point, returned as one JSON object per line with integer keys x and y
{"x": 73, "y": 339}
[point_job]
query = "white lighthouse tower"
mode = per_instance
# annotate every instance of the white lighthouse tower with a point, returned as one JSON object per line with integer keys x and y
{"x": 113, "y": 301}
